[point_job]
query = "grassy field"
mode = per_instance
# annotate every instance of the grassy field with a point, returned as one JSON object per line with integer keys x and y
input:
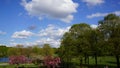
{"x": 6, "y": 65}
{"x": 110, "y": 61}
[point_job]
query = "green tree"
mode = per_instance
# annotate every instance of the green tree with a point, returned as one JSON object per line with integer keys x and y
{"x": 3, "y": 51}
{"x": 17, "y": 50}
{"x": 96, "y": 44}
{"x": 67, "y": 47}
{"x": 36, "y": 50}
{"x": 47, "y": 50}
{"x": 110, "y": 27}
{"x": 75, "y": 43}
{"x": 81, "y": 35}
{"x": 28, "y": 51}
{"x": 67, "y": 50}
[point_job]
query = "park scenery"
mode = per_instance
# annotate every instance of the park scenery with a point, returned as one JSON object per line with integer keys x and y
{"x": 59, "y": 34}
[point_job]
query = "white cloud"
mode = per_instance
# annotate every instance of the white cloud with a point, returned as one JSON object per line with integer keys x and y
{"x": 2, "y": 44}
{"x": 97, "y": 15}
{"x": 12, "y": 44}
{"x": 93, "y": 2}
{"x": 52, "y": 35}
{"x": 52, "y": 42}
{"x": 58, "y": 9}
{"x": 94, "y": 26}
{"x": 53, "y": 31}
{"x": 2, "y": 33}
{"x": 102, "y": 14}
{"x": 22, "y": 34}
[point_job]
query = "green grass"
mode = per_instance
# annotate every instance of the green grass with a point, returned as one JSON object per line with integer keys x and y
{"x": 6, "y": 65}
{"x": 107, "y": 60}
{"x": 102, "y": 62}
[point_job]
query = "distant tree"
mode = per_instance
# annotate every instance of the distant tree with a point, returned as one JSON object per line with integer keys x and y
{"x": 49, "y": 61}
{"x": 18, "y": 60}
{"x": 20, "y": 49}
{"x": 12, "y": 51}
{"x": 36, "y": 50}
{"x": 17, "y": 50}
{"x": 28, "y": 51}
{"x": 47, "y": 50}
{"x": 3, "y": 51}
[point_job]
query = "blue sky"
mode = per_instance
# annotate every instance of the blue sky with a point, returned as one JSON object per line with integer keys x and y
{"x": 32, "y": 22}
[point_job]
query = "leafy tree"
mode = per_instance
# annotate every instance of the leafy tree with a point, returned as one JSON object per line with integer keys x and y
{"x": 96, "y": 44}
{"x": 47, "y": 50}
{"x": 36, "y": 50}
{"x": 81, "y": 33}
{"x": 17, "y": 50}
{"x": 67, "y": 50}
{"x": 28, "y": 51}
{"x": 3, "y": 51}
{"x": 18, "y": 60}
{"x": 20, "y": 49}
{"x": 50, "y": 61}
{"x": 110, "y": 27}
{"x": 12, "y": 51}
{"x": 75, "y": 43}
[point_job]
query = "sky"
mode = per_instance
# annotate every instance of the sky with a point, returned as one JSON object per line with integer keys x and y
{"x": 37, "y": 22}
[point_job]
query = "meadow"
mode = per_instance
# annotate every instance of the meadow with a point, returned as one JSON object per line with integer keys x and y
{"x": 103, "y": 61}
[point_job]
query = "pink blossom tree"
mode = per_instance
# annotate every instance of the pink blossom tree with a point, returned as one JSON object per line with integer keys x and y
{"x": 51, "y": 62}
{"x": 18, "y": 60}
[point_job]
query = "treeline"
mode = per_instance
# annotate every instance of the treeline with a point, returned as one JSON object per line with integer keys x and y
{"x": 82, "y": 41}
{"x": 34, "y": 51}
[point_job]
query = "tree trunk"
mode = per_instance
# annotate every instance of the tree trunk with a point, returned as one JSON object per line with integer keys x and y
{"x": 85, "y": 59}
{"x": 96, "y": 60}
{"x": 88, "y": 60}
{"x": 117, "y": 59}
{"x": 81, "y": 62}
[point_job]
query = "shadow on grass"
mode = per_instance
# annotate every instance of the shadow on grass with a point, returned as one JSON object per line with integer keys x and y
{"x": 99, "y": 66}
{"x": 111, "y": 62}
{"x": 73, "y": 65}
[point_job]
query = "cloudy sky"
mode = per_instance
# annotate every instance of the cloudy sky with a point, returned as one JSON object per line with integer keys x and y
{"x": 32, "y": 22}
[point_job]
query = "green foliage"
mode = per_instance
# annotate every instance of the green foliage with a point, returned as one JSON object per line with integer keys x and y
{"x": 83, "y": 41}
{"x": 3, "y": 51}
{"x": 47, "y": 50}
{"x": 110, "y": 27}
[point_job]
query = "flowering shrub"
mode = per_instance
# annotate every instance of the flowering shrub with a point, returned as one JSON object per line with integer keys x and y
{"x": 50, "y": 61}
{"x": 18, "y": 60}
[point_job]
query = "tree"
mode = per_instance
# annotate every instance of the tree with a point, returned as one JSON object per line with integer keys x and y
{"x": 28, "y": 51}
{"x": 47, "y": 50}
{"x": 110, "y": 27}
{"x": 81, "y": 33}
{"x": 12, "y": 51}
{"x": 3, "y": 51}
{"x": 75, "y": 43}
{"x": 18, "y": 60}
{"x": 67, "y": 47}
{"x": 49, "y": 61}
{"x": 96, "y": 44}
{"x": 17, "y": 50}
{"x": 36, "y": 50}
{"x": 20, "y": 49}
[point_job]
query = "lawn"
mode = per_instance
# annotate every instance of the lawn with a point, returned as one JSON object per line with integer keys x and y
{"x": 6, "y": 65}
{"x": 110, "y": 61}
